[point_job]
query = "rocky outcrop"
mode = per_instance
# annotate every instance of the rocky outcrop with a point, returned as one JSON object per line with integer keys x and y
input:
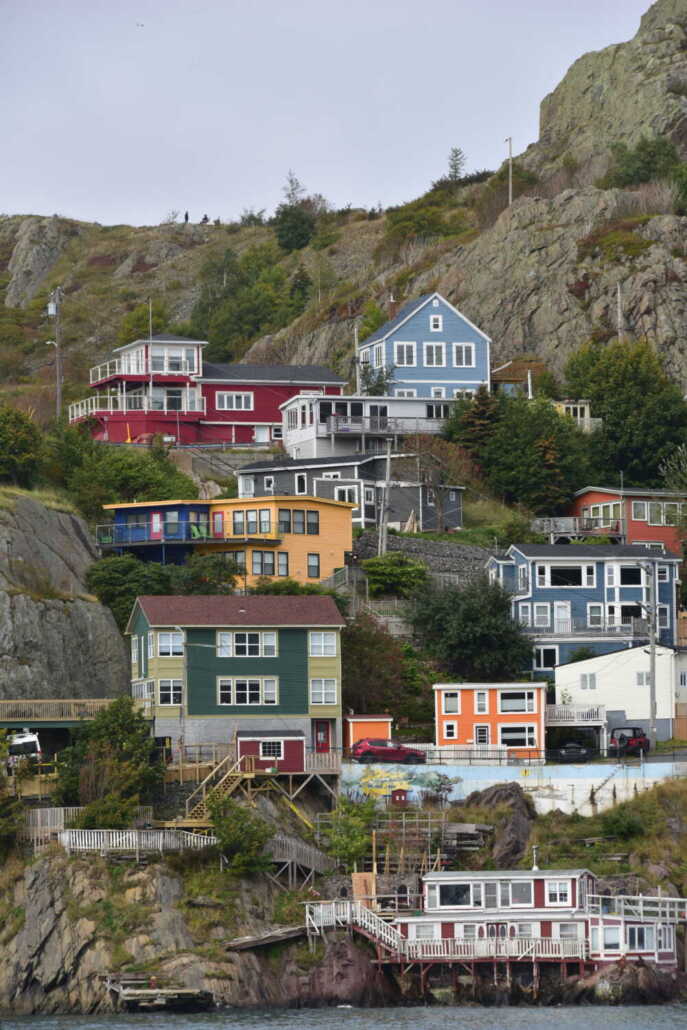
{"x": 55, "y": 640}
{"x": 38, "y": 244}
{"x": 510, "y": 843}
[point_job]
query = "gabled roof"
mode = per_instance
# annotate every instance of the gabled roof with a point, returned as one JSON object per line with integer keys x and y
{"x": 406, "y": 312}
{"x": 332, "y": 461}
{"x": 630, "y": 491}
{"x": 236, "y": 610}
{"x": 162, "y": 338}
{"x": 575, "y": 551}
{"x": 237, "y": 373}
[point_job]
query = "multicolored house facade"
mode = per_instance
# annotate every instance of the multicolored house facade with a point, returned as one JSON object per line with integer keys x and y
{"x": 490, "y": 718}
{"x": 164, "y": 386}
{"x": 648, "y": 517}
{"x": 303, "y": 538}
{"x": 260, "y": 673}
{"x": 569, "y": 597}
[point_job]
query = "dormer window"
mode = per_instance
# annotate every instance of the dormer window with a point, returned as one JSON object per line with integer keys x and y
{"x": 436, "y": 323}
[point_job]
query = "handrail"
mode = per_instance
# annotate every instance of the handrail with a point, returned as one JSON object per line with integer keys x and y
{"x": 574, "y": 714}
{"x": 287, "y": 849}
{"x": 104, "y": 841}
{"x": 243, "y": 765}
{"x": 54, "y": 710}
{"x": 127, "y": 367}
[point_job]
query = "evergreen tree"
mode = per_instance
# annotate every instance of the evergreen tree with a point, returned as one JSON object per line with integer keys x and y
{"x": 300, "y": 288}
{"x": 20, "y": 447}
{"x": 294, "y": 226}
{"x": 456, "y": 163}
{"x": 474, "y": 422}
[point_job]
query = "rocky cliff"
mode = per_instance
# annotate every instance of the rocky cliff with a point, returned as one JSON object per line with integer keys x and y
{"x": 55, "y": 640}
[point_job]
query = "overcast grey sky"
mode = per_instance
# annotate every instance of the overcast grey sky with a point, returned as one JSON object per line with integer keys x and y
{"x": 121, "y": 110}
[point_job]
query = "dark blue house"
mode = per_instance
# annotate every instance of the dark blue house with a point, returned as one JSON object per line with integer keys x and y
{"x": 433, "y": 349}
{"x": 596, "y": 597}
{"x": 158, "y": 531}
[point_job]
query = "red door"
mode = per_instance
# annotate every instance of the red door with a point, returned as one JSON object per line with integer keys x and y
{"x": 322, "y": 736}
{"x": 218, "y": 523}
{"x": 156, "y": 525}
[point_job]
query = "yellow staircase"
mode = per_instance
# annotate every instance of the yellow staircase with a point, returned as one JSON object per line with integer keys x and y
{"x": 227, "y": 776}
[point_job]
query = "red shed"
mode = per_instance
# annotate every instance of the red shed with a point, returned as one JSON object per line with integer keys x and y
{"x": 282, "y": 750}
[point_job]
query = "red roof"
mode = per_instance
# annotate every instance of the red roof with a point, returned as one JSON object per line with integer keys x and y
{"x": 233, "y": 610}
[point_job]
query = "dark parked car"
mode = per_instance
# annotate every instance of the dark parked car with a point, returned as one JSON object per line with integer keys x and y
{"x": 571, "y": 752}
{"x": 628, "y": 740}
{"x": 368, "y": 750}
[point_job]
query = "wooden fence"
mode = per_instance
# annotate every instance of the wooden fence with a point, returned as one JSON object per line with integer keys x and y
{"x": 42, "y": 825}
{"x": 29, "y": 712}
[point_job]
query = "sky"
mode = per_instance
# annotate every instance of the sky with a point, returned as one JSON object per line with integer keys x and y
{"x": 121, "y": 111}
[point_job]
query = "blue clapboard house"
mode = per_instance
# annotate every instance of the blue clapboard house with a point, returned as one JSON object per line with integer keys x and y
{"x": 593, "y": 597}
{"x": 434, "y": 350}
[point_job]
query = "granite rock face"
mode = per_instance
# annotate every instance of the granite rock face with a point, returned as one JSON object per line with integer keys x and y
{"x": 55, "y": 641}
{"x": 38, "y": 244}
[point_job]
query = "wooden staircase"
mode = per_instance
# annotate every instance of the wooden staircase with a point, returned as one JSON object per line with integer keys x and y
{"x": 228, "y": 776}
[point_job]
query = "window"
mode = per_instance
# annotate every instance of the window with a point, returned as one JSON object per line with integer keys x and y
{"x": 671, "y": 513}
{"x": 151, "y": 645}
{"x": 567, "y": 931}
{"x": 545, "y": 657}
{"x": 516, "y": 701}
{"x": 523, "y": 930}
{"x": 643, "y": 679}
{"x": 247, "y": 692}
{"x": 292, "y": 418}
{"x": 238, "y": 523}
{"x": 464, "y": 355}
{"x": 322, "y": 645}
{"x": 269, "y": 484}
{"x": 434, "y": 355}
{"x": 463, "y": 395}
{"x": 482, "y": 735}
{"x": 455, "y": 895}
{"x": 663, "y": 574}
{"x": 436, "y": 323}
{"x": 224, "y": 692}
{"x": 298, "y": 521}
{"x": 595, "y": 615}
{"x": 588, "y": 681}
{"x": 265, "y": 520}
{"x": 323, "y": 692}
{"x": 663, "y": 616}
{"x": 640, "y": 938}
{"x": 683, "y": 679}
{"x": 365, "y": 357}
{"x": 284, "y": 520}
{"x": 223, "y": 645}
{"x": 170, "y": 645}
{"x": 134, "y": 650}
{"x": 469, "y": 932}
{"x": 558, "y": 892}
{"x": 521, "y": 892}
{"x": 283, "y": 563}
{"x": 611, "y": 938}
{"x": 369, "y": 495}
{"x": 272, "y": 749}
{"x": 450, "y": 702}
{"x": 313, "y": 566}
{"x": 665, "y": 938}
{"x": 378, "y": 355}
{"x": 170, "y": 692}
{"x": 251, "y": 521}
{"x": 451, "y": 730}
{"x": 425, "y": 931}
{"x": 247, "y": 645}
{"x": 526, "y": 614}
{"x": 541, "y": 575}
{"x": 277, "y": 433}
{"x": 630, "y": 576}
{"x": 240, "y": 559}
{"x": 595, "y": 938}
{"x": 269, "y": 691}
{"x": 263, "y": 563}
{"x": 404, "y": 354}
{"x": 438, "y": 411}
{"x": 234, "y": 401}
{"x": 523, "y": 578}
{"x": 541, "y": 615}
{"x": 405, "y": 393}
{"x": 655, "y": 513}
{"x": 313, "y": 523}
{"x": 438, "y": 393}
{"x": 301, "y": 483}
{"x": 571, "y": 575}
{"x": 639, "y": 511}
{"x": 517, "y": 736}
{"x": 346, "y": 493}
{"x": 481, "y": 702}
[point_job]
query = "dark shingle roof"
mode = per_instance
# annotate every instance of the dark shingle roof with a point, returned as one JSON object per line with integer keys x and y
{"x": 315, "y": 374}
{"x": 592, "y": 551}
{"x": 399, "y": 317}
{"x": 631, "y": 491}
{"x": 295, "y": 463}
{"x": 223, "y": 610}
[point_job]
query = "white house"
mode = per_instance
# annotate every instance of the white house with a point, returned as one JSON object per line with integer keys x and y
{"x": 620, "y": 681}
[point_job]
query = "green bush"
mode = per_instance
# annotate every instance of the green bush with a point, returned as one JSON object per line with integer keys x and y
{"x": 649, "y": 160}
{"x": 394, "y": 574}
{"x": 20, "y": 447}
{"x": 622, "y": 822}
{"x": 348, "y": 836}
{"x": 242, "y": 837}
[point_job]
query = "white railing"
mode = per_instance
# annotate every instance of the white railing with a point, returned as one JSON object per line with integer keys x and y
{"x": 380, "y": 425}
{"x": 112, "y": 403}
{"x": 574, "y": 715}
{"x": 320, "y": 915}
{"x": 107, "y": 841}
{"x": 42, "y": 825}
{"x": 581, "y": 627}
{"x": 669, "y": 910}
{"x": 134, "y": 367}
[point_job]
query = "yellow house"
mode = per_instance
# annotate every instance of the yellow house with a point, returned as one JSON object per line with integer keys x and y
{"x": 303, "y": 537}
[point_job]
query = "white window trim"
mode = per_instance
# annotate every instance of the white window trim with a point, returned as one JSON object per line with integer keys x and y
{"x": 346, "y": 489}
{"x": 438, "y": 393}
{"x": 482, "y": 726}
{"x": 594, "y": 604}
{"x": 434, "y": 344}
{"x": 323, "y": 680}
{"x": 472, "y": 354}
{"x": 558, "y": 904}
{"x": 463, "y": 393}
{"x": 518, "y": 726}
{"x": 525, "y": 613}
{"x": 515, "y": 690}
{"x": 583, "y": 565}
{"x": 322, "y": 654}
{"x": 233, "y": 680}
{"x": 405, "y": 392}
{"x": 169, "y": 633}
{"x": 590, "y": 677}
{"x": 545, "y": 647}
{"x": 134, "y": 650}
{"x": 444, "y": 693}
{"x": 453, "y": 723}
{"x": 273, "y": 758}
{"x": 478, "y": 693}
{"x": 405, "y": 343}
{"x": 226, "y": 394}
{"x": 547, "y": 609}
{"x": 299, "y": 476}
{"x": 663, "y": 573}
{"x": 170, "y": 704}
{"x": 664, "y": 616}
{"x": 439, "y": 328}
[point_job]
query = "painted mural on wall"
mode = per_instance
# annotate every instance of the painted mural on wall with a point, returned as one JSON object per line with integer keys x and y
{"x": 379, "y": 781}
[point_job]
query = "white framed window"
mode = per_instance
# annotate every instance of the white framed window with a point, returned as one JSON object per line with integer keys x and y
{"x": 611, "y": 938}
{"x": 272, "y": 749}
{"x": 655, "y": 513}
{"x": 169, "y": 692}
{"x": 438, "y": 411}
{"x": 277, "y": 433}
{"x": 301, "y": 483}
{"x": 322, "y": 644}
{"x": 405, "y": 393}
{"x": 369, "y": 495}
{"x": 346, "y": 493}
{"x": 282, "y": 563}
{"x": 378, "y": 355}
{"x": 683, "y": 679}
{"x": 170, "y": 644}
{"x": 482, "y": 735}
{"x": 542, "y": 615}
{"x": 226, "y": 401}
{"x": 545, "y": 658}
{"x": 595, "y": 614}
{"x": 671, "y": 513}
{"x": 516, "y": 701}
{"x": 481, "y": 702}
{"x": 436, "y": 323}
{"x": 225, "y": 692}
{"x": 151, "y": 644}
{"x": 643, "y": 679}
{"x": 365, "y": 357}
{"x": 640, "y": 938}
{"x": 588, "y": 681}
{"x": 464, "y": 355}
{"x": 241, "y": 691}
{"x": 134, "y": 650}
{"x": 331, "y": 475}
{"x": 425, "y": 931}
{"x": 438, "y": 393}
{"x": 313, "y": 566}
{"x": 566, "y": 931}
{"x": 451, "y": 730}
{"x": 558, "y": 892}
{"x": 463, "y": 394}
{"x": 270, "y": 688}
{"x": 323, "y": 692}
{"x": 518, "y": 736}
{"x": 639, "y": 513}
{"x": 523, "y": 930}
{"x": 450, "y": 702}
{"x": 269, "y": 484}
{"x": 246, "y": 644}
{"x": 525, "y": 613}
{"x": 663, "y": 616}
{"x": 663, "y": 573}
{"x": 665, "y": 937}
{"x": 404, "y": 354}
{"x": 435, "y": 355}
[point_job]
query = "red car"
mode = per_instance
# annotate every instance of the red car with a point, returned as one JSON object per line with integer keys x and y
{"x": 628, "y": 740}
{"x": 368, "y": 750}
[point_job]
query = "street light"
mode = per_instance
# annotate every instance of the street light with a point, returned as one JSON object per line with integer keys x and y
{"x": 54, "y": 303}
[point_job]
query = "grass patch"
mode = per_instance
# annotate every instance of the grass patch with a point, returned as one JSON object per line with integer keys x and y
{"x": 9, "y": 495}
{"x": 615, "y": 241}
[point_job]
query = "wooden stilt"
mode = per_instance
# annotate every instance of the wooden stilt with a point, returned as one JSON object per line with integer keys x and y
{"x": 535, "y": 979}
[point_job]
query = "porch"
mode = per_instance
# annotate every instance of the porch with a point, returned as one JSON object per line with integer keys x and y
{"x": 575, "y": 715}
{"x": 189, "y": 403}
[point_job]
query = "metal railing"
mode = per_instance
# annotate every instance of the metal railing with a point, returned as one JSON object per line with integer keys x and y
{"x": 575, "y": 715}
{"x": 113, "y": 403}
{"x": 132, "y": 367}
{"x": 667, "y": 910}
{"x": 110, "y": 534}
{"x": 28, "y": 712}
{"x": 107, "y": 841}
{"x": 379, "y": 425}
{"x": 578, "y": 525}
{"x": 581, "y": 627}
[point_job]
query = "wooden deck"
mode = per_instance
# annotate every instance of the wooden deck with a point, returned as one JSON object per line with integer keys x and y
{"x": 137, "y": 993}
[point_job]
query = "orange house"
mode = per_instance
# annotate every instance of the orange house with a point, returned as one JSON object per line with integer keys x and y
{"x": 360, "y": 727}
{"x": 490, "y": 716}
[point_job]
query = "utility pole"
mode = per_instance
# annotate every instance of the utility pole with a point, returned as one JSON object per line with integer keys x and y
{"x": 54, "y": 304}
{"x": 652, "y": 611}
{"x": 384, "y": 521}
{"x": 509, "y": 141}
{"x": 619, "y": 307}
{"x": 357, "y": 361}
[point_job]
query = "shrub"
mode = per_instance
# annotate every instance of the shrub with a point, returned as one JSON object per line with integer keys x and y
{"x": 20, "y": 447}
{"x": 622, "y": 822}
{"x": 241, "y": 837}
{"x": 394, "y": 574}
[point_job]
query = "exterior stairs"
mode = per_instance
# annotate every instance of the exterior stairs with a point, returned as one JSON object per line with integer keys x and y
{"x": 221, "y": 782}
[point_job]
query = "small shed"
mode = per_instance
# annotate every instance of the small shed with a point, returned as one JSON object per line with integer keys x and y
{"x": 358, "y": 727}
{"x": 281, "y": 750}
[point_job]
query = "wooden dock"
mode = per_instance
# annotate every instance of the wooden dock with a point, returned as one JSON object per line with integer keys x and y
{"x": 137, "y": 993}
{"x": 286, "y": 933}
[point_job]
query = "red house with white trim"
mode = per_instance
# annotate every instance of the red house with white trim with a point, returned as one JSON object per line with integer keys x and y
{"x": 649, "y": 517}
{"x": 163, "y": 385}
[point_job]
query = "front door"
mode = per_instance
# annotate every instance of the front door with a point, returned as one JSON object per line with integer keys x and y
{"x": 322, "y": 736}
{"x": 156, "y": 525}
{"x": 561, "y": 617}
{"x": 218, "y": 523}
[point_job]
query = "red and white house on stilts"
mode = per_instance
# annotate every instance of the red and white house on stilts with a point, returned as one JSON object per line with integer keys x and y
{"x": 508, "y": 919}
{"x": 164, "y": 385}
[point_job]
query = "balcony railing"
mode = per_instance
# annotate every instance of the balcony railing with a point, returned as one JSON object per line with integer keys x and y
{"x": 575, "y": 715}
{"x": 579, "y": 526}
{"x": 116, "y": 403}
{"x": 582, "y": 628}
{"x": 131, "y": 367}
{"x": 382, "y": 426}
{"x": 30, "y": 712}
{"x": 667, "y": 910}
{"x": 111, "y": 535}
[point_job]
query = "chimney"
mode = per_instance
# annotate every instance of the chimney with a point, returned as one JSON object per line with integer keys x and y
{"x": 393, "y": 306}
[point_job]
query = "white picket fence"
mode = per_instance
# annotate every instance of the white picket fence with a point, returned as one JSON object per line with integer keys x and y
{"x": 106, "y": 842}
